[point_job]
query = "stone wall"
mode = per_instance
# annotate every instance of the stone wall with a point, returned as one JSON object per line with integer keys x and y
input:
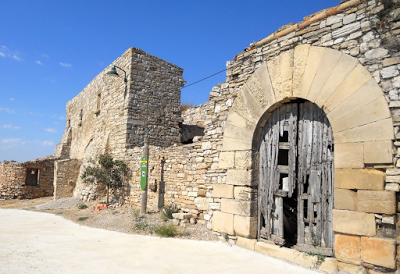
{"x": 365, "y": 211}
{"x": 153, "y": 101}
{"x": 13, "y": 179}
{"x": 344, "y": 59}
{"x": 66, "y": 174}
{"x": 116, "y": 115}
{"x": 111, "y": 115}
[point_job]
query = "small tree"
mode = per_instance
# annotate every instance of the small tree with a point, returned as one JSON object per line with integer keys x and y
{"x": 107, "y": 171}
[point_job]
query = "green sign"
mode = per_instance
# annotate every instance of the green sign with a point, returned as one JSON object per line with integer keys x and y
{"x": 143, "y": 173}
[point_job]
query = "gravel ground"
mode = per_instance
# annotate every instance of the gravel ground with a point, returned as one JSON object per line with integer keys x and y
{"x": 60, "y": 204}
{"x": 124, "y": 218}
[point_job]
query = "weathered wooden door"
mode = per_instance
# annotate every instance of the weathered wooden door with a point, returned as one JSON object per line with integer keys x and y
{"x": 296, "y": 178}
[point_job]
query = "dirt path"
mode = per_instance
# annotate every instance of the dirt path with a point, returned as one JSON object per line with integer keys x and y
{"x": 36, "y": 242}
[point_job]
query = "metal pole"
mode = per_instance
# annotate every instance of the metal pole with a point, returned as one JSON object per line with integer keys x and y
{"x": 143, "y": 202}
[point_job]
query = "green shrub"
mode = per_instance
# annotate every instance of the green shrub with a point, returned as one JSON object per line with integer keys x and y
{"x": 142, "y": 226}
{"x": 82, "y": 206}
{"x": 166, "y": 230}
{"x": 81, "y": 219}
{"x": 167, "y": 211}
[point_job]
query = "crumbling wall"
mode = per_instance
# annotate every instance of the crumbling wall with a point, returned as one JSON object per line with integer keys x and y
{"x": 13, "y": 179}
{"x": 116, "y": 115}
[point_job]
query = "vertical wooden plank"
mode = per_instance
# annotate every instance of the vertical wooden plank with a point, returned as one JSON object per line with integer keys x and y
{"x": 265, "y": 202}
{"x": 300, "y": 176}
{"x": 282, "y": 114}
{"x": 261, "y": 186}
{"x": 292, "y": 134}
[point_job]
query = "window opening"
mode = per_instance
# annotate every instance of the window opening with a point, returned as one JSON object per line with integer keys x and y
{"x": 98, "y": 104}
{"x": 32, "y": 176}
{"x": 80, "y": 117}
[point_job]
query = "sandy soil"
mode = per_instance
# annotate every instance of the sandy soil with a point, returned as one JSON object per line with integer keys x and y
{"x": 36, "y": 242}
{"x": 124, "y": 219}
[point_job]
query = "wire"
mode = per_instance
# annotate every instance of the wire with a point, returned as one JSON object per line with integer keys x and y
{"x": 232, "y": 67}
{"x": 204, "y": 79}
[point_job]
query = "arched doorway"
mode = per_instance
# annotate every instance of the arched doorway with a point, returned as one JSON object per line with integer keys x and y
{"x": 362, "y": 127}
{"x": 295, "y": 195}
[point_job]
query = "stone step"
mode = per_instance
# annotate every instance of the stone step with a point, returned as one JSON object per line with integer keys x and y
{"x": 182, "y": 216}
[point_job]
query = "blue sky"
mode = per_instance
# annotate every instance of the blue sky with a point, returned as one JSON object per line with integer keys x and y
{"x": 50, "y": 50}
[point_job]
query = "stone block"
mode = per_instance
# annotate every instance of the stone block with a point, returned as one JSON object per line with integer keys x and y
{"x": 371, "y": 112}
{"x": 350, "y": 155}
{"x": 353, "y": 222}
{"x": 346, "y": 30}
{"x": 229, "y": 144}
{"x": 331, "y": 20}
{"x": 340, "y": 72}
{"x": 281, "y": 72}
{"x": 244, "y": 193}
{"x": 237, "y": 207}
{"x": 351, "y": 268}
{"x": 202, "y": 203}
{"x": 378, "y": 152}
{"x": 392, "y": 187}
{"x": 276, "y": 251}
{"x": 236, "y": 132}
{"x": 375, "y": 54}
{"x": 264, "y": 79}
{"x": 288, "y": 254}
{"x": 350, "y": 94}
{"x": 348, "y": 248}
{"x": 299, "y": 66}
{"x": 349, "y": 18}
{"x": 239, "y": 177}
{"x": 243, "y": 159}
{"x": 247, "y": 106}
{"x": 329, "y": 59}
{"x": 245, "y": 226}
{"x": 314, "y": 59}
{"x": 389, "y": 72}
{"x": 246, "y": 243}
{"x": 259, "y": 93}
{"x": 359, "y": 179}
{"x": 345, "y": 199}
{"x": 391, "y": 61}
{"x": 226, "y": 159}
{"x": 222, "y": 191}
{"x": 223, "y": 222}
{"x": 380, "y": 252}
{"x": 376, "y": 201}
{"x": 376, "y": 131}
{"x": 182, "y": 216}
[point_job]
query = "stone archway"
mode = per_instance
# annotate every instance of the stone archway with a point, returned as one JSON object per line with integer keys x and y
{"x": 357, "y": 111}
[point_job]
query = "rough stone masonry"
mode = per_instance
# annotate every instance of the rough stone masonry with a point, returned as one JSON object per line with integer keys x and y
{"x": 345, "y": 60}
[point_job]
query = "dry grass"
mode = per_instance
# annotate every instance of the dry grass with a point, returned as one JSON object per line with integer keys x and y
{"x": 186, "y": 105}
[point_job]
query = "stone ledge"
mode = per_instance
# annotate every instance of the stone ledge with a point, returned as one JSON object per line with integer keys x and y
{"x": 297, "y": 257}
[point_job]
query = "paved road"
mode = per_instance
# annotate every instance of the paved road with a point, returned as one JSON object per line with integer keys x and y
{"x": 34, "y": 242}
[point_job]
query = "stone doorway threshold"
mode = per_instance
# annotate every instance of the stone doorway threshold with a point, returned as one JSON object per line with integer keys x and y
{"x": 329, "y": 265}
